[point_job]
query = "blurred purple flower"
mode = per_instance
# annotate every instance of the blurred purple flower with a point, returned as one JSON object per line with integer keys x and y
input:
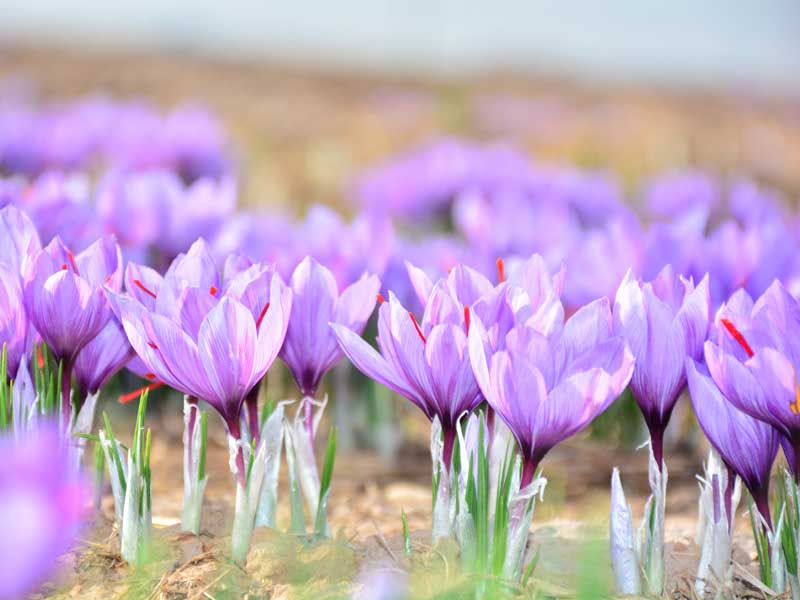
{"x": 547, "y": 389}
{"x": 663, "y": 321}
{"x": 19, "y": 240}
{"x": 747, "y": 446}
{"x": 310, "y": 348}
{"x": 41, "y": 504}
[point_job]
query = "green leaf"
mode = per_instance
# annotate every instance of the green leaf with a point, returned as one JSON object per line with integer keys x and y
{"x": 325, "y": 482}
{"x": 531, "y": 567}
{"x": 201, "y": 469}
{"x": 406, "y": 534}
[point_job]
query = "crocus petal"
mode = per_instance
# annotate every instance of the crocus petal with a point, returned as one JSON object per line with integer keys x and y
{"x": 420, "y": 281}
{"x": 227, "y": 344}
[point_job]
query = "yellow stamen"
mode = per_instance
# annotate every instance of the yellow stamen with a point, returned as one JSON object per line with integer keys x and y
{"x": 795, "y": 406}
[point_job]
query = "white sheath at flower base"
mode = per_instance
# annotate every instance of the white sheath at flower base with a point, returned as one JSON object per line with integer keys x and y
{"x": 136, "y": 516}
{"x": 25, "y": 401}
{"x": 714, "y": 535}
{"x": 500, "y": 442}
{"x": 306, "y": 462}
{"x": 272, "y": 437}
{"x": 444, "y": 508}
{"x": 624, "y": 555}
{"x": 776, "y": 559}
{"x": 520, "y": 511}
{"x": 652, "y": 528}
{"x": 464, "y": 521}
{"x": 193, "y": 487}
{"x": 247, "y": 497}
{"x": 82, "y": 424}
{"x": 110, "y": 448}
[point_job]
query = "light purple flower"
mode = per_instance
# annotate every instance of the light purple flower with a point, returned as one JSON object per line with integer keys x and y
{"x": 64, "y": 295}
{"x": 101, "y": 358}
{"x": 15, "y": 333}
{"x": 425, "y": 362}
{"x": 204, "y": 340}
{"x": 547, "y": 389}
{"x": 747, "y": 446}
{"x": 19, "y": 240}
{"x": 754, "y": 361}
{"x": 310, "y": 348}
{"x": 41, "y": 503}
{"x": 663, "y": 321}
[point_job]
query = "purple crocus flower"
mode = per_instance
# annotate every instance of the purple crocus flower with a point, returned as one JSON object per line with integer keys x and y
{"x": 19, "y": 240}
{"x": 663, "y": 321}
{"x": 208, "y": 342}
{"x": 746, "y": 445}
{"x": 547, "y": 389}
{"x": 15, "y": 333}
{"x": 754, "y": 361}
{"x": 101, "y": 358}
{"x": 66, "y": 302}
{"x": 426, "y": 362}
{"x": 310, "y": 349}
{"x": 41, "y": 505}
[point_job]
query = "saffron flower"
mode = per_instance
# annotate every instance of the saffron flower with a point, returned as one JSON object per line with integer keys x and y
{"x": 65, "y": 299}
{"x": 547, "y": 389}
{"x": 663, "y": 321}
{"x": 15, "y": 334}
{"x": 426, "y": 362}
{"x": 754, "y": 361}
{"x": 310, "y": 348}
{"x": 746, "y": 445}
{"x": 41, "y": 503}
{"x": 19, "y": 240}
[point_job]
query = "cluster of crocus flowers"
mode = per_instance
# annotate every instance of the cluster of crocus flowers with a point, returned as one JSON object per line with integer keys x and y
{"x": 212, "y": 341}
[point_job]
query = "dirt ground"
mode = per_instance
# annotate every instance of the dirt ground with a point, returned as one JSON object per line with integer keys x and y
{"x": 300, "y": 136}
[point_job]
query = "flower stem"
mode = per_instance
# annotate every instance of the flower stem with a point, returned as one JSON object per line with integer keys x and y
{"x": 449, "y": 436}
{"x": 66, "y": 394}
{"x": 251, "y": 404}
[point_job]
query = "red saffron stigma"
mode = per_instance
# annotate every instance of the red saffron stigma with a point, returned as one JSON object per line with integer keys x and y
{"x": 152, "y": 345}
{"x": 141, "y": 286}
{"x": 150, "y": 376}
{"x": 466, "y": 318}
{"x": 39, "y": 357}
{"x": 380, "y": 297}
{"x": 262, "y": 315}
{"x": 63, "y": 266}
{"x": 501, "y": 270}
{"x": 71, "y": 258}
{"x": 737, "y": 335}
{"x": 136, "y": 393}
{"x": 213, "y": 290}
{"x": 416, "y": 326}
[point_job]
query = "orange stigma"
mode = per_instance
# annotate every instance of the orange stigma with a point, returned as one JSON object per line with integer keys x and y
{"x": 262, "y": 315}
{"x": 501, "y": 270}
{"x": 466, "y": 318}
{"x": 795, "y": 406}
{"x": 141, "y": 286}
{"x": 136, "y": 393}
{"x": 737, "y": 335}
{"x": 213, "y": 290}
{"x": 380, "y": 297}
{"x": 71, "y": 258}
{"x": 416, "y": 326}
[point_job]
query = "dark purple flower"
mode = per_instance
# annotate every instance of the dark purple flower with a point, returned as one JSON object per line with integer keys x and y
{"x": 310, "y": 348}
{"x": 663, "y": 321}
{"x": 747, "y": 446}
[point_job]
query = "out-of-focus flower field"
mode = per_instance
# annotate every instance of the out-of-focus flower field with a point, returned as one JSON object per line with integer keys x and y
{"x": 318, "y": 197}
